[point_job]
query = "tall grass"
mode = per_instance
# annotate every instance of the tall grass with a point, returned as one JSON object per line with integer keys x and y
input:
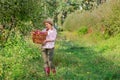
{"x": 73, "y": 60}
{"x": 95, "y": 19}
{"x": 110, "y": 49}
{"x": 17, "y": 60}
{"x": 104, "y": 50}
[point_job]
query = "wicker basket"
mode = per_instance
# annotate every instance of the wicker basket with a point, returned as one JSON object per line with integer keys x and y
{"x": 38, "y": 37}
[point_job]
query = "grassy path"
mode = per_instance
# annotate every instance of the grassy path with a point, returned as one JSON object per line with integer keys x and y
{"x": 73, "y": 61}
{"x": 84, "y": 63}
{"x": 76, "y": 62}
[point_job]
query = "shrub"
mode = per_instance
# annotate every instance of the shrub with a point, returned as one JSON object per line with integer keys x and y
{"x": 113, "y": 21}
{"x": 83, "y": 30}
{"x": 106, "y": 15}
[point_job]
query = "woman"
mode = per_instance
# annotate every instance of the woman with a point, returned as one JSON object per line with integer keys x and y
{"x": 48, "y": 47}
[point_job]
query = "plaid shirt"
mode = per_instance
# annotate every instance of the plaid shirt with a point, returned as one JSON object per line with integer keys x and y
{"x": 51, "y": 36}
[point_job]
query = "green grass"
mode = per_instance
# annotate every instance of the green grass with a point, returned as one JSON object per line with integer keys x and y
{"x": 88, "y": 64}
{"x": 74, "y": 60}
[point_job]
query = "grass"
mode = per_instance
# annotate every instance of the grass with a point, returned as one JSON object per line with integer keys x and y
{"x": 88, "y": 64}
{"x": 74, "y": 60}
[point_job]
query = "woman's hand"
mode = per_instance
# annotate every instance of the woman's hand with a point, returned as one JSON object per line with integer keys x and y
{"x": 44, "y": 42}
{"x": 32, "y": 32}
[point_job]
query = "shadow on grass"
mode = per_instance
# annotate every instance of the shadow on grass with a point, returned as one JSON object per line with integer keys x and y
{"x": 72, "y": 62}
{"x": 83, "y": 63}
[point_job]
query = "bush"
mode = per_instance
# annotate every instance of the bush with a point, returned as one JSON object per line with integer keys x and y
{"x": 83, "y": 30}
{"x": 112, "y": 23}
{"x": 97, "y": 18}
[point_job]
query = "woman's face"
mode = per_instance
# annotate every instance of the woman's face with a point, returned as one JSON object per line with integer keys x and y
{"x": 48, "y": 26}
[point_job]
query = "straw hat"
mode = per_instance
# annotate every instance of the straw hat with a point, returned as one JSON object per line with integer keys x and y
{"x": 49, "y": 20}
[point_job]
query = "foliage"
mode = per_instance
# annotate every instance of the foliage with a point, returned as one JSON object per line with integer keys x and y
{"x": 26, "y": 15}
{"x": 23, "y": 61}
{"x": 83, "y": 30}
{"x": 109, "y": 48}
{"x": 18, "y": 15}
{"x": 13, "y": 13}
{"x": 77, "y": 19}
{"x": 20, "y": 10}
{"x": 98, "y": 20}
{"x": 113, "y": 21}
{"x": 16, "y": 57}
{"x": 87, "y": 4}
{"x": 88, "y": 57}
